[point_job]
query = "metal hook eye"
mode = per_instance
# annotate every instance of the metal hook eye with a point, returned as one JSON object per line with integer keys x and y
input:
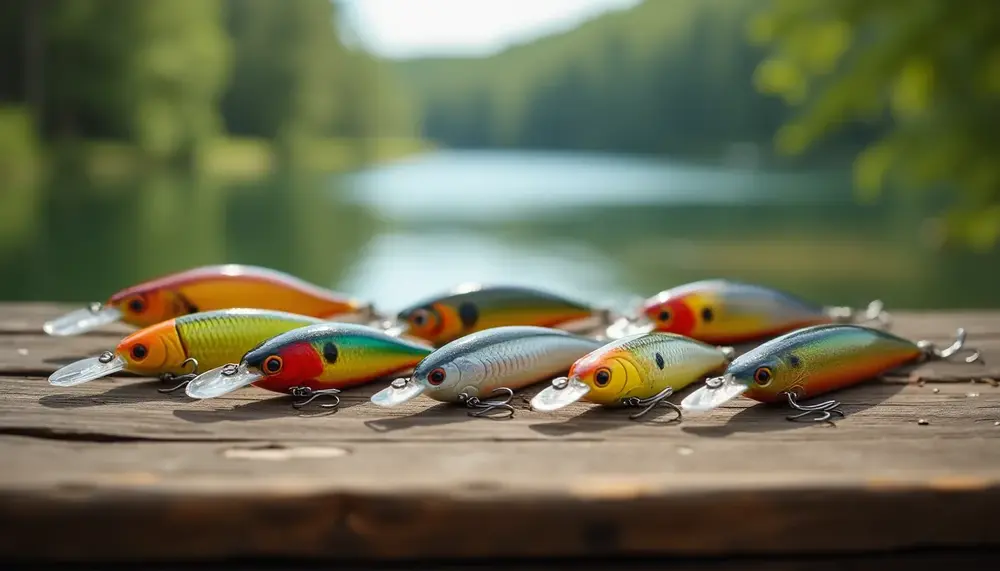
{"x": 484, "y": 408}
{"x": 182, "y": 380}
{"x": 950, "y": 351}
{"x": 311, "y": 395}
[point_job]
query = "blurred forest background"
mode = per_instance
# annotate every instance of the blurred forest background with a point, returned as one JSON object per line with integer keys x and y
{"x": 164, "y": 118}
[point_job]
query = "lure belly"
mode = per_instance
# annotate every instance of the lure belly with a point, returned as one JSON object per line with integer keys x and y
{"x": 637, "y": 370}
{"x": 209, "y": 288}
{"x": 480, "y": 364}
{"x": 325, "y": 357}
{"x": 727, "y": 312}
{"x": 183, "y": 345}
{"x": 813, "y": 361}
{"x": 443, "y": 319}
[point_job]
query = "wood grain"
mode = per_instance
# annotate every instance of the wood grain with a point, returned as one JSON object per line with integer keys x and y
{"x": 247, "y": 476}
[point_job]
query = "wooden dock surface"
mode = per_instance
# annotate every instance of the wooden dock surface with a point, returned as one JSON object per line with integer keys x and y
{"x": 115, "y": 471}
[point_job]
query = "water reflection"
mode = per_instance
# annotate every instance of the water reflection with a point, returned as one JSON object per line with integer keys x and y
{"x": 602, "y": 228}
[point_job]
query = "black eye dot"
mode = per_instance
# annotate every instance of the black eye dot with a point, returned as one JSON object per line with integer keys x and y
{"x": 602, "y": 378}
{"x": 664, "y": 315}
{"x": 436, "y": 377}
{"x": 139, "y": 351}
{"x": 707, "y": 315}
{"x": 136, "y": 305}
{"x": 762, "y": 376}
{"x": 272, "y": 364}
{"x": 419, "y": 318}
{"x": 794, "y": 361}
{"x": 330, "y": 353}
{"x": 660, "y": 363}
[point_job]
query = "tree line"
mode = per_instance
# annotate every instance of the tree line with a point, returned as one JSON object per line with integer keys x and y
{"x": 169, "y": 75}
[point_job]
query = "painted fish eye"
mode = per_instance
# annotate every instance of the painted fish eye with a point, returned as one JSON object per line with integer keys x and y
{"x": 272, "y": 365}
{"x": 762, "y": 376}
{"x": 436, "y": 377}
{"x": 420, "y": 317}
{"x": 707, "y": 314}
{"x": 139, "y": 352}
{"x": 136, "y": 305}
{"x": 665, "y": 315}
{"x": 602, "y": 377}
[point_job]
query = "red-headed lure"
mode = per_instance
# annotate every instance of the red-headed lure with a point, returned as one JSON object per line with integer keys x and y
{"x": 724, "y": 312}
{"x": 813, "y": 361}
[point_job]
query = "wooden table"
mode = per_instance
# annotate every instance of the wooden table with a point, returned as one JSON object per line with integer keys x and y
{"x": 113, "y": 470}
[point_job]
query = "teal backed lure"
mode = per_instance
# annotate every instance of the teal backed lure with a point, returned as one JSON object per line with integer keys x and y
{"x": 813, "y": 361}
{"x": 474, "y": 307}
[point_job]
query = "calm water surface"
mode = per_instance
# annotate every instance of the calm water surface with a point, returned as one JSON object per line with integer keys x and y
{"x": 600, "y": 227}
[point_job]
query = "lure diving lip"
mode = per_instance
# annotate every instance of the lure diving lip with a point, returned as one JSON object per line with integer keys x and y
{"x": 727, "y": 312}
{"x": 639, "y": 370}
{"x": 180, "y": 346}
{"x": 484, "y": 363}
{"x": 475, "y": 307}
{"x": 209, "y": 288}
{"x": 313, "y": 360}
{"x": 813, "y": 361}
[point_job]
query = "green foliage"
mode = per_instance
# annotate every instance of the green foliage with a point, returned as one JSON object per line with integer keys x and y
{"x": 926, "y": 71}
{"x": 664, "y": 77}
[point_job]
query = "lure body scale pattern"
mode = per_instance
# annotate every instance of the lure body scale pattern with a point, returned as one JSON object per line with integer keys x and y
{"x": 211, "y": 339}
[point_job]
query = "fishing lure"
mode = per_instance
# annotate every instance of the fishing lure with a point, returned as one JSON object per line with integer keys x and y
{"x": 313, "y": 361}
{"x": 209, "y": 288}
{"x": 639, "y": 370}
{"x": 474, "y": 307}
{"x": 727, "y": 312}
{"x": 813, "y": 361}
{"x": 489, "y": 362}
{"x": 176, "y": 349}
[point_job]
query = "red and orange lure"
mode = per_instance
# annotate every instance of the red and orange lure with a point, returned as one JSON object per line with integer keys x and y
{"x": 813, "y": 361}
{"x": 210, "y": 288}
{"x": 723, "y": 312}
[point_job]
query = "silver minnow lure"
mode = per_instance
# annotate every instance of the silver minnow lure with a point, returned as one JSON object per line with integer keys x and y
{"x": 489, "y": 362}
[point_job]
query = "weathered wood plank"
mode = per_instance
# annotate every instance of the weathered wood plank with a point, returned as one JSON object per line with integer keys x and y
{"x": 248, "y": 476}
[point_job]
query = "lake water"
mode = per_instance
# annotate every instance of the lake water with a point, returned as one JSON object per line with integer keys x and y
{"x": 604, "y": 228}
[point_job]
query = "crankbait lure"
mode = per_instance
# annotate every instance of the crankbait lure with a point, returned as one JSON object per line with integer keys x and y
{"x": 176, "y": 349}
{"x": 474, "y": 308}
{"x": 813, "y": 361}
{"x": 639, "y": 370}
{"x": 486, "y": 363}
{"x": 727, "y": 312}
{"x": 209, "y": 288}
{"x": 313, "y": 361}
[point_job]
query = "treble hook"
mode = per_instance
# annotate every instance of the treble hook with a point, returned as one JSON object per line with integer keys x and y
{"x": 826, "y": 409}
{"x": 184, "y": 379}
{"x": 931, "y": 350}
{"x": 651, "y": 403}
{"x": 485, "y": 407}
{"x": 312, "y": 394}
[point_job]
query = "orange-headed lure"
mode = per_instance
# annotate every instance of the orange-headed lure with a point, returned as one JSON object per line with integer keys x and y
{"x": 474, "y": 308}
{"x": 325, "y": 357}
{"x": 205, "y": 289}
{"x": 812, "y": 361}
{"x": 726, "y": 312}
{"x": 185, "y": 345}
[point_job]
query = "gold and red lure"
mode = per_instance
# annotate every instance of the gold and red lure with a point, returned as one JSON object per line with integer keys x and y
{"x": 178, "y": 348}
{"x": 474, "y": 307}
{"x": 724, "y": 312}
{"x": 313, "y": 361}
{"x": 813, "y": 361}
{"x": 210, "y": 288}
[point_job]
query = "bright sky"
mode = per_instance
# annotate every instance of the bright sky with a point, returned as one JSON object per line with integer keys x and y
{"x": 409, "y": 28}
